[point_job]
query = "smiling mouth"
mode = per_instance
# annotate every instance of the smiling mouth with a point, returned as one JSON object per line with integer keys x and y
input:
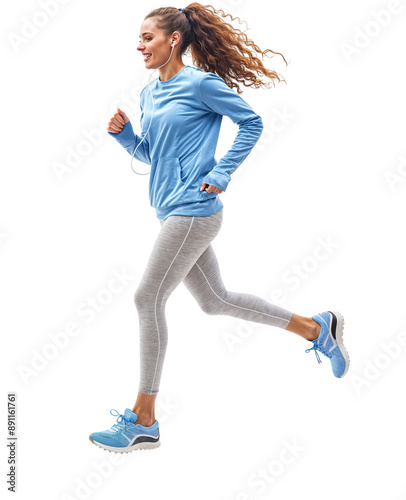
{"x": 147, "y": 57}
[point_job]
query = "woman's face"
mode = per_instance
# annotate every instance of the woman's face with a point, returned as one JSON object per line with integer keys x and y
{"x": 153, "y": 41}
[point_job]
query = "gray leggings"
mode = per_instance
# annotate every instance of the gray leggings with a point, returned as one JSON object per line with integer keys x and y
{"x": 183, "y": 252}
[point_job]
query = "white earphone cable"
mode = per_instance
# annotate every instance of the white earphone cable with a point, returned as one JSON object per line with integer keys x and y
{"x": 149, "y": 88}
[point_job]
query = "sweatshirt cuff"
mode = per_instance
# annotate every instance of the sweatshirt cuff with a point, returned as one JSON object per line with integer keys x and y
{"x": 218, "y": 179}
{"x": 126, "y": 136}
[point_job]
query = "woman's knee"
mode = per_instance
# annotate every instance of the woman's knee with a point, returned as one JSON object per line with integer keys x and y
{"x": 142, "y": 298}
{"x": 212, "y": 305}
{"x": 148, "y": 298}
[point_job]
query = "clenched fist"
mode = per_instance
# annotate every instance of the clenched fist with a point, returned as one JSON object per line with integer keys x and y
{"x": 117, "y": 122}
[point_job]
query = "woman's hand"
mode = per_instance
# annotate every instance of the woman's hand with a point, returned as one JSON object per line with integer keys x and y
{"x": 116, "y": 123}
{"x": 210, "y": 188}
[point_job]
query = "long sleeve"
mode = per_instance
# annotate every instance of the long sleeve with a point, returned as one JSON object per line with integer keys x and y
{"x": 218, "y": 97}
{"x": 129, "y": 140}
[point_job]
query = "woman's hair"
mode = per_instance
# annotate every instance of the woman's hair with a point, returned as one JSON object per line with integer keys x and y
{"x": 215, "y": 46}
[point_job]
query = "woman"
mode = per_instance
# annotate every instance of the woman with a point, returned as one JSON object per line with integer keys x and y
{"x": 185, "y": 182}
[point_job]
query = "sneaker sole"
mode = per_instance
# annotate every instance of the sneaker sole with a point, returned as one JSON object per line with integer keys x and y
{"x": 139, "y": 446}
{"x": 339, "y": 339}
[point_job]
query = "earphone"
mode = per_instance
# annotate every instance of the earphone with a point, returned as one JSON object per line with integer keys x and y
{"x": 132, "y": 156}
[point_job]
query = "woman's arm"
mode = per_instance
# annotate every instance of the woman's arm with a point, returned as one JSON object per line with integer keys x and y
{"x": 129, "y": 140}
{"x": 216, "y": 96}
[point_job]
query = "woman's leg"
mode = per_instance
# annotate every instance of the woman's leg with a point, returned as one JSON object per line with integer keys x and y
{"x": 180, "y": 242}
{"x": 206, "y": 285}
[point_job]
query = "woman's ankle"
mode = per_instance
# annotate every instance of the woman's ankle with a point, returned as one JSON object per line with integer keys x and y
{"x": 144, "y": 408}
{"x": 307, "y": 328}
{"x": 314, "y": 330}
{"x": 145, "y": 419}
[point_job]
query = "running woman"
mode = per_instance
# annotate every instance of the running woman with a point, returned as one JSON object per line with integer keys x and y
{"x": 180, "y": 129}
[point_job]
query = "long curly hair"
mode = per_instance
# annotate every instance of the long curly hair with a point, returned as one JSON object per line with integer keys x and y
{"x": 215, "y": 45}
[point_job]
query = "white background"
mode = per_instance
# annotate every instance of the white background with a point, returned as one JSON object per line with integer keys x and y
{"x": 331, "y": 170}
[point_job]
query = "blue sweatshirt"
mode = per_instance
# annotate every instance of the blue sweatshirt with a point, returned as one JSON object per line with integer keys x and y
{"x": 182, "y": 140}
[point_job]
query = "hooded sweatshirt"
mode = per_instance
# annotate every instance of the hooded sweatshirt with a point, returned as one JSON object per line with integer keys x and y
{"x": 182, "y": 140}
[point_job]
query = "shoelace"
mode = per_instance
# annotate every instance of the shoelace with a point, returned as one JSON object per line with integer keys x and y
{"x": 318, "y": 348}
{"x": 121, "y": 421}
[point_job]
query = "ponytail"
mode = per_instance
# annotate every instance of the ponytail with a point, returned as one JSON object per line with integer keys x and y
{"x": 215, "y": 45}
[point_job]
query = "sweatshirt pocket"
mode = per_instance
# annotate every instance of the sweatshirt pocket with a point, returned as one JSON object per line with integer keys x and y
{"x": 167, "y": 187}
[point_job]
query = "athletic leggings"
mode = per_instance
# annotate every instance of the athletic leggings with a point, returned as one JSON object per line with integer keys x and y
{"x": 183, "y": 252}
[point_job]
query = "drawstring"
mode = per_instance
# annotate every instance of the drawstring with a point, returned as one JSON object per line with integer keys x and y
{"x": 318, "y": 348}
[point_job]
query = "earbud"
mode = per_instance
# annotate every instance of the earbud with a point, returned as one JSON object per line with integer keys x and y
{"x": 173, "y": 42}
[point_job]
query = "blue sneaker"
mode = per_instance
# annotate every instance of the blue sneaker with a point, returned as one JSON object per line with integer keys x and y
{"x": 126, "y": 435}
{"x": 330, "y": 341}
